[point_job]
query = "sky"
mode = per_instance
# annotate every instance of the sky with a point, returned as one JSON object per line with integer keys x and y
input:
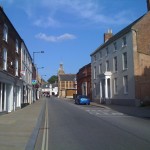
{"x": 68, "y": 31}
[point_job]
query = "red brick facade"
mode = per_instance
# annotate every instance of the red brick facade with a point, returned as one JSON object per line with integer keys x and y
{"x": 84, "y": 76}
{"x": 10, "y": 45}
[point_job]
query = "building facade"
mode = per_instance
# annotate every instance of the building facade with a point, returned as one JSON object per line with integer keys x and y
{"x": 26, "y": 74}
{"x": 84, "y": 81}
{"x": 121, "y": 66}
{"x": 10, "y": 65}
{"x": 67, "y": 84}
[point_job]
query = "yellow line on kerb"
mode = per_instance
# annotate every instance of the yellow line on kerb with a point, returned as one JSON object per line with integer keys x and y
{"x": 45, "y": 133}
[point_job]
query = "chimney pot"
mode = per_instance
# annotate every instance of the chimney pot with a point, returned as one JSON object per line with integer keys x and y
{"x": 108, "y": 35}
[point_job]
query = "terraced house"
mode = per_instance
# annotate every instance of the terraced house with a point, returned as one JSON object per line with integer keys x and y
{"x": 121, "y": 66}
{"x": 15, "y": 67}
{"x": 10, "y": 52}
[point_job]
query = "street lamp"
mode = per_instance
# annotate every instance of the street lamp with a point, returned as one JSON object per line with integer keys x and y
{"x": 36, "y": 52}
{"x": 39, "y": 68}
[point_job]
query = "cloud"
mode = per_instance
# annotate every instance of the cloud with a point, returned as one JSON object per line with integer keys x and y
{"x": 92, "y": 11}
{"x": 51, "y": 38}
{"x": 46, "y": 22}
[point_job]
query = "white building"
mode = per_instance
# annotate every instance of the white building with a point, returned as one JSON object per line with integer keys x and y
{"x": 120, "y": 66}
{"x": 26, "y": 73}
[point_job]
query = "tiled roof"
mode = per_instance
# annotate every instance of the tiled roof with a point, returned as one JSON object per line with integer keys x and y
{"x": 67, "y": 77}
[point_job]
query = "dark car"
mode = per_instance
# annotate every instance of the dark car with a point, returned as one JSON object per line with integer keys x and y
{"x": 82, "y": 99}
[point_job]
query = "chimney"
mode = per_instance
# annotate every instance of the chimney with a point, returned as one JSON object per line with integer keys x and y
{"x": 148, "y": 5}
{"x": 108, "y": 35}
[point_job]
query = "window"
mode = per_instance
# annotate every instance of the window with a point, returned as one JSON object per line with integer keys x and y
{"x": 115, "y": 86}
{"x": 94, "y": 57}
{"x": 5, "y": 33}
{"x": 100, "y": 68}
{"x": 100, "y": 54}
{"x": 115, "y": 46}
{"x": 115, "y": 64}
{"x": 95, "y": 72}
{"x": 17, "y": 47}
{"x": 125, "y": 66}
{"x": 124, "y": 42}
{"x": 107, "y": 51}
{"x": 107, "y": 65}
{"x": 125, "y": 84}
{"x": 16, "y": 67}
{"x": 4, "y": 59}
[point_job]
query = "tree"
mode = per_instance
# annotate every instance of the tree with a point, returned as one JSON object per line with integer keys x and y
{"x": 53, "y": 79}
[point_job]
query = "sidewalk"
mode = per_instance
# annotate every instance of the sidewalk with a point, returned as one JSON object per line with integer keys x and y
{"x": 18, "y": 130}
{"x": 142, "y": 112}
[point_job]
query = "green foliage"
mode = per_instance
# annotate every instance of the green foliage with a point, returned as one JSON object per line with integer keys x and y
{"x": 53, "y": 79}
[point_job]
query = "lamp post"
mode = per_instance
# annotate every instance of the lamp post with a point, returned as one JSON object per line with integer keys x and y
{"x": 40, "y": 68}
{"x": 42, "y": 78}
{"x": 35, "y": 53}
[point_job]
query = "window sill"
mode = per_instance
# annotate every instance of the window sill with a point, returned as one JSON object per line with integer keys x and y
{"x": 125, "y": 69}
{"x": 123, "y": 46}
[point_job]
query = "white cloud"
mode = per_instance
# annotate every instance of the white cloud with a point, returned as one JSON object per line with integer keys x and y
{"x": 51, "y": 38}
{"x": 89, "y": 10}
{"x": 46, "y": 22}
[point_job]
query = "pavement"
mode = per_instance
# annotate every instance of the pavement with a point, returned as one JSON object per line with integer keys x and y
{"x": 142, "y": 112}
{"x": 19, "y": 129}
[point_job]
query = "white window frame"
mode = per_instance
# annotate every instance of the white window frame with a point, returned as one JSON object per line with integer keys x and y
{"x": 4, "y": 59}
{"x": 115, "y": 64}
{"x": 125, "y": 60}
{"x": 107, "y": 66}
{"x": 125, "y": 84}
{"x": 124, "y": 41}
{"x": 16, "y": 67}
{"x": 115, "y": 46}
{"x": 94, "y": 57}
{"x": 100, "y": 68}
{"x": 5, "y": 33}
{"x": 107, "y": 51}
{"x": 100, "y": 55}
{"x": 17, "y": 46}
{"x": 95, "y": 72}
{"x": 115, "y": 86}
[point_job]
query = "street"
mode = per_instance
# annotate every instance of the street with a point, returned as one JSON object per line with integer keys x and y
{"x": 67, "y": 126}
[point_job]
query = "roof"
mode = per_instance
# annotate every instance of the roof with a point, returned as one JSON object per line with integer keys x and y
{"x": 45, "y": 85}
{"x": 118, "y": 35}
{"x": 67, "y": 77}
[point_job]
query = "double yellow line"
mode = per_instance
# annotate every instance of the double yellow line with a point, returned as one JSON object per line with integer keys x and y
{"x": 46, "y": 129}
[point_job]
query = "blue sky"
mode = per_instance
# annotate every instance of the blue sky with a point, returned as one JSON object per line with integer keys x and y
{"x": 68, "y": 31}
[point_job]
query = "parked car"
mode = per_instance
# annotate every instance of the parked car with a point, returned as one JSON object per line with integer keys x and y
{"x": 82, "y": 99}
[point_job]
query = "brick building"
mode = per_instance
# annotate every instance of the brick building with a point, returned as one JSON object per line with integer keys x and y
{"x": 121, "y": 66}
{"x": 67, "y": 85}
{"x": 84, "y": 81}
{"x": 10, "y": 65}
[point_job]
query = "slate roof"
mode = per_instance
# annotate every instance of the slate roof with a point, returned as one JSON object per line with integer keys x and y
{"x": 118, "y": 35}
{"x": 67, "y": 77}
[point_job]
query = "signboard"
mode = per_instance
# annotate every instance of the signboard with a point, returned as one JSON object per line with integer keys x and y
{"x": 34, "y": 82}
